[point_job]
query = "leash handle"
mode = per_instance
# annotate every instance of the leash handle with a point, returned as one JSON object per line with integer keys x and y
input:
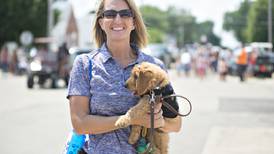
{"x": 172, "y": 109}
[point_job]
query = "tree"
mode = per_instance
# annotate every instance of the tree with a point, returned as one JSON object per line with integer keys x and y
{"x": 155, "y": 20}
{"x": 257, "y": 30}
{"x": 206, "y": 28}
{"x": 181, "y": 25}
{"x": 176, "y": 23}
{"x": 17, "y": 16}
{"x": 236, "y": 21}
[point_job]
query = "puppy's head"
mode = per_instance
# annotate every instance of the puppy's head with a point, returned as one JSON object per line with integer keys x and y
{"x": 145, "y": 77}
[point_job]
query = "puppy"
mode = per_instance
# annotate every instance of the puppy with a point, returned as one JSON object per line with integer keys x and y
{"x": 145, "y": 77}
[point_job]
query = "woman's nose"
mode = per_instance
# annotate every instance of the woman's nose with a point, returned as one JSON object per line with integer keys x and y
{"x": 117, "y": 18}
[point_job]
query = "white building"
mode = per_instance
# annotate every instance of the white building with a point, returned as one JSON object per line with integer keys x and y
{"x": 73, "y": 31}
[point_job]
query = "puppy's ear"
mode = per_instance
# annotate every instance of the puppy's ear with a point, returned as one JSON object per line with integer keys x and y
{"x": 143, "y": 82}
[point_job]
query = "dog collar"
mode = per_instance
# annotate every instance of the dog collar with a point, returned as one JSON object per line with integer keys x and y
{"x": 161, "y": 92}
{"x": 164, "y": 91}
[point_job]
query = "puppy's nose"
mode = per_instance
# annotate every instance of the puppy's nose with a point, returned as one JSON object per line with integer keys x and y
{"x": 126, "y": 86}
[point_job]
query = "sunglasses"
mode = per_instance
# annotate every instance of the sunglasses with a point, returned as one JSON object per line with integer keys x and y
{"x": 111, "y": 14}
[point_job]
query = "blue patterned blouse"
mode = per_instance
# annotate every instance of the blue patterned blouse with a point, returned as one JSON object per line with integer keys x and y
{"x": 108, "y": 96}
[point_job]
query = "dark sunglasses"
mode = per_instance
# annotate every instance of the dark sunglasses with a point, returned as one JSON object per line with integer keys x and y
{"x": 111, "y": 14}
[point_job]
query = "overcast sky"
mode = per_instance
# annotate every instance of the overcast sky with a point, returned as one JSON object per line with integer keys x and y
{"x": 202, "y": 9}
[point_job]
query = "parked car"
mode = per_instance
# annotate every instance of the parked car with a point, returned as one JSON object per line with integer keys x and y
{"x": 159, "y": 51}
{"x": 41, "y": 67}
{"x": 264, "y": 65}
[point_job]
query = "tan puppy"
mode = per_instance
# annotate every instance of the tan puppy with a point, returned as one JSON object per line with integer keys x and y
{"x": 145, "y": 77}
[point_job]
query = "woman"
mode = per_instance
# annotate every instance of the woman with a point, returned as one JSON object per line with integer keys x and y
{"x": 96, "y": 104}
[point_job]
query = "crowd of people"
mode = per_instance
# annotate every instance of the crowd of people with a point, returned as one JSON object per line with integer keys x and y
{"x": 203, "y": 59}
{"x": 197, "y": 59}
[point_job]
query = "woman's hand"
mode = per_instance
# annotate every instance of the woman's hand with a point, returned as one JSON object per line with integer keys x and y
{"x": 140, "y": 115}
{"x": 144, "y": 118}
{"x": 158, "y": 117}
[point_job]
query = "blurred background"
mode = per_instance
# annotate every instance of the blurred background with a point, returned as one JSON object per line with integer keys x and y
{"x": 219, "y": 54}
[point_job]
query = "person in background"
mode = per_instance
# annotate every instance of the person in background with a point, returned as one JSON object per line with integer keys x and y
{"x": 251, "y": 62}
{"x": 4, "y": 59}
{"x": 98, "y": 99}
{"x": 185, "y": 63}
{"x": 222, "y": 69}
{"x": 13, "y": 67}
{"x": 242, "y": 64}
{"x": 63, "y": 62}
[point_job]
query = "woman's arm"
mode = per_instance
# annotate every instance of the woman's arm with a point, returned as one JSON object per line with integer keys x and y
{"x": 83, "y": 123}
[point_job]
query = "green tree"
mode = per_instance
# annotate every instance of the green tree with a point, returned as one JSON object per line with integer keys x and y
{"x": 182, "y": 25}
{"x": 175, "y": 23}
{"x": 155, "y": 20}
{"x": 257, "y": 29}
{"x": 206, "y": 28}
{"x": 236, "y": 21}
{"x": 155, "y": 35}
{"x": 17, "y": 16}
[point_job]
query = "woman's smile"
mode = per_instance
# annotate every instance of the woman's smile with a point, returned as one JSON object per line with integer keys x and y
{"x": 118, "y": 29}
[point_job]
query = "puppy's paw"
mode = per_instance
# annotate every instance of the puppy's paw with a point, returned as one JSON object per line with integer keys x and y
{"x": 123, "y": 121}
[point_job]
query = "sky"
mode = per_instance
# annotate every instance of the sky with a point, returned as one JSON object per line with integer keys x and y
{"x": 202, "y": 9}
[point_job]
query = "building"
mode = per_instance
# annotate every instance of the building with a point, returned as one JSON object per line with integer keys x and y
{"x": 76, "y": 32}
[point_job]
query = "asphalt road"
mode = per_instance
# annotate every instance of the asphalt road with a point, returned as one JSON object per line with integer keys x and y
{"x": 227, "y": 118}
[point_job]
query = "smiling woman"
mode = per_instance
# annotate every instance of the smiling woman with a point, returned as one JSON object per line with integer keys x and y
{"x": 99, "y": 99}
{"x": 117, "y": 28}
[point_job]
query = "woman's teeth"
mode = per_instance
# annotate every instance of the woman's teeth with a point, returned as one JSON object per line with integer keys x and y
{"x": 118, "y": 28}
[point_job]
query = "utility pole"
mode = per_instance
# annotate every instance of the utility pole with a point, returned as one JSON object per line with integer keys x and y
{"x": 50, "y": 17}
{"x": 270, "y": 21}
{"x": 50, "y": 22}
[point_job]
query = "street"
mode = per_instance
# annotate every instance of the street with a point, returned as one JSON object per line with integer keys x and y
{"x": 227, "y": 118}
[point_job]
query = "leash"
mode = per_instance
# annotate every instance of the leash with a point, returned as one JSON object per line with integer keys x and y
{"x": 150, "y": 145}
{"x": 156, "y": 96}
{"x": 172, "y": 109}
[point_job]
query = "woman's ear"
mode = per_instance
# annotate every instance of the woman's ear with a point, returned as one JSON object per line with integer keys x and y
{"x": 141, "y": 83}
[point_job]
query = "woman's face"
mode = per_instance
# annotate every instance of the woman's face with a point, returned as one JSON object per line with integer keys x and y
{"x": 117, "y": 26}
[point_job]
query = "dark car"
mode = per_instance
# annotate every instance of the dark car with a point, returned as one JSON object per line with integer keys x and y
{"x": 264, "y": 65}
{"x": 161, "y": 52}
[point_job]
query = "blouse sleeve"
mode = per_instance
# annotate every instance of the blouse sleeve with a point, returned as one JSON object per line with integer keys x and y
{"x": 79, "y": 84}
